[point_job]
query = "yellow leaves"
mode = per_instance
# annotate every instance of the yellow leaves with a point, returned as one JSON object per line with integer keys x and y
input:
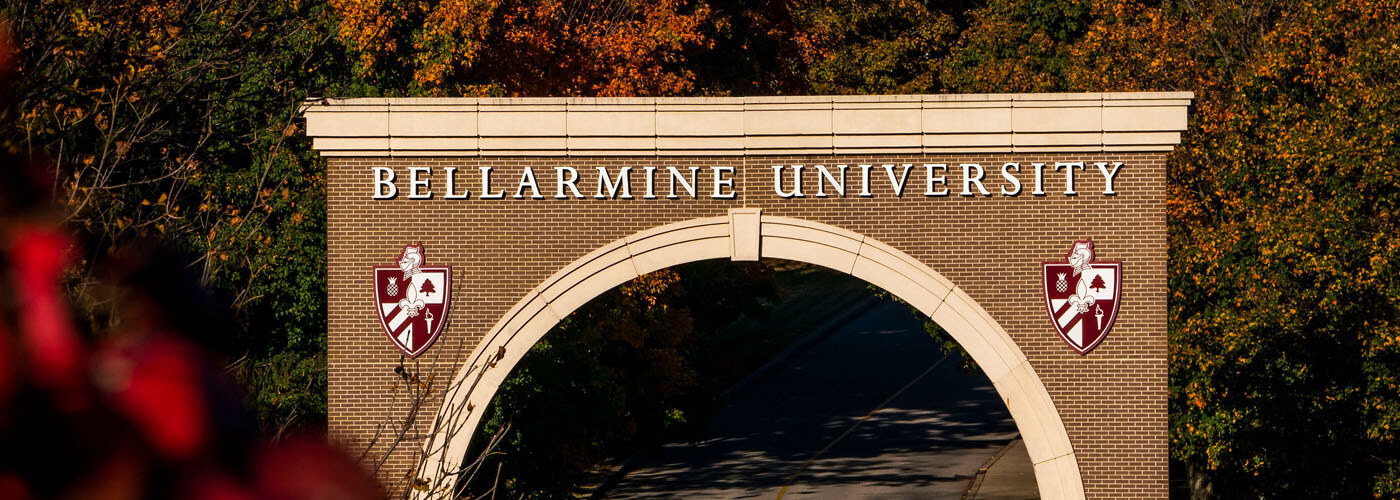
{"x": 649, "y": 287}
{"x": 365, "y": 27}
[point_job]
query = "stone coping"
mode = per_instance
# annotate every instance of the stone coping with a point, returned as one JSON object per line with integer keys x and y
{"x": 737, "y": 126}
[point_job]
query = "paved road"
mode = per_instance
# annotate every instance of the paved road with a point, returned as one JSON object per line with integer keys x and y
{"x": 869, "y": 412}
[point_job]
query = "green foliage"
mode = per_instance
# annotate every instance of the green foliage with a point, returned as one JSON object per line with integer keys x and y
{"x": 752, "y": 52}
{"x": 175, "y": 122}
{"x": 1282, "y": 221}
{"x": 827, "y": 46}
{"x": 1017, "y": 46}
{"x": 291, "y": 388}
{"x": 855, "y": 47}
{"x": 1286, "y": 307}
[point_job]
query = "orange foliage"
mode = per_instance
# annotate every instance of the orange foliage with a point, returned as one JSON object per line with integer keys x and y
{"x": 526, "y": 48}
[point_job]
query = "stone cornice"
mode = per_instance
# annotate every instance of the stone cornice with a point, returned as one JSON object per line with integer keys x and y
{"x": 710, "y": 126}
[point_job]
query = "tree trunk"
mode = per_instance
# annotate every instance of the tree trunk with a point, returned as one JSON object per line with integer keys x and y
{"x": 1198, "y": 482}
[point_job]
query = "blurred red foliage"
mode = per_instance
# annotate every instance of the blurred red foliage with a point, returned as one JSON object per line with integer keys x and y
{"x": 144, "y": 412}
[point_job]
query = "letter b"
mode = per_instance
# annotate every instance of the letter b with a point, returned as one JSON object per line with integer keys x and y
{"x": 382, "y": 181}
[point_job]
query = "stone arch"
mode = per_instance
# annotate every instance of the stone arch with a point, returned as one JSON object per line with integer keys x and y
{"x": 746, "y": 234}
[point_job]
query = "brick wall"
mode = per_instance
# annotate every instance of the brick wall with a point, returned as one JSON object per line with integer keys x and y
{"x": 1112, "y": 401}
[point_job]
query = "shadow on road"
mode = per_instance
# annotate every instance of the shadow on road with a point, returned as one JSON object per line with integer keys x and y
{"x": 873, "y": 410}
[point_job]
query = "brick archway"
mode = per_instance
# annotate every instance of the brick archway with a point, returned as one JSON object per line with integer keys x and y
{"x": 746, "y": 234}
{"x": 984, "y": 189}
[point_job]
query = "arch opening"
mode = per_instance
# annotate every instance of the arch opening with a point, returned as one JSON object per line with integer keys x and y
{"x": 746, "y": 234}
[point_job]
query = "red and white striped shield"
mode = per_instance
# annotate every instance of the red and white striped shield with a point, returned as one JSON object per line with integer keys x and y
{"x": 412, "y": 300}
{"x": 1082, "y": 296}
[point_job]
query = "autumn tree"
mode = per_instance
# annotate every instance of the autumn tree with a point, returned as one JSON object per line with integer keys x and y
{"x": 1281, "y": 220}
{"x": 771, "y": 47}
{"x": 523, "y": 48}
{"x": 882, "y": 47}
{"x": 1286, "y": 302}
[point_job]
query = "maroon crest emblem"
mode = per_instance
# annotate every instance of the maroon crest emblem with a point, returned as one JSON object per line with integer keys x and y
{"x": 412, "y": 300}
{"x": 1082, "y": 296}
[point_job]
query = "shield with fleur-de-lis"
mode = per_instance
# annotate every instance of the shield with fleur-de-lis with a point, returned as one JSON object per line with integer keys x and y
{"x": 1082, "y": 296}
{"x": 412, "y": 300}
